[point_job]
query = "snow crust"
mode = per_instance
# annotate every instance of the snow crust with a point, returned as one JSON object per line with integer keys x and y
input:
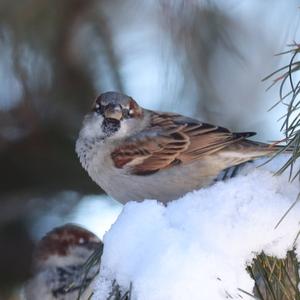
{"x": 197, "y": 247}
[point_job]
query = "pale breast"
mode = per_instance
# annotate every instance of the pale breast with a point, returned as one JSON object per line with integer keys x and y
{"x": 164, "y": 185}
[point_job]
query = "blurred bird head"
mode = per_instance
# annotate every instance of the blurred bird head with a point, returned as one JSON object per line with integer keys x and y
{"x": 58, "y": 264}
{"x": 65, "y": 245}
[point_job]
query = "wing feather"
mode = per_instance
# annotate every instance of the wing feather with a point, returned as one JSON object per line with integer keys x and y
{"x": 169, "y": 140}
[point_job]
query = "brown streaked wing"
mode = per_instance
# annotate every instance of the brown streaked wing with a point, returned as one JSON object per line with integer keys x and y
{"x": 178, "y": 140}
{"x": 150, "y": 154}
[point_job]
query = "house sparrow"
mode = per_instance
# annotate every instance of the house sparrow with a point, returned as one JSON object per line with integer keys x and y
{"x": 59, "y": 258}
{"x": 134, "y": 153}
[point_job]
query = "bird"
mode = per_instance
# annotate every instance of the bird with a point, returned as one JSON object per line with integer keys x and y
{"x": 134, "y": 153}
{"x": 58, "y": 262}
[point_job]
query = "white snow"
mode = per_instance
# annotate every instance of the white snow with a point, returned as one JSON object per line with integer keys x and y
{"x": 198, "y": 246}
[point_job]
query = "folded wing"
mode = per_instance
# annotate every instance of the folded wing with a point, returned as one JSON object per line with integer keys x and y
{"x": 170, "y": 140}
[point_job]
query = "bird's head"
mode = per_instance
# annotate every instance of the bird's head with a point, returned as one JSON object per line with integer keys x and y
{"x": 113, "y": 115}
{"x": 66, "y": 245}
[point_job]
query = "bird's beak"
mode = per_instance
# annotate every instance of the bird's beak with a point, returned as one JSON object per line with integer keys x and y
{"x": 113, "y": 112}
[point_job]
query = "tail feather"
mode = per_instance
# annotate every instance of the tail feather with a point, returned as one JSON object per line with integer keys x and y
{"x": 236, "y": 156}
{"x": 263, "y": 147}
{"x": 245, "y": 151}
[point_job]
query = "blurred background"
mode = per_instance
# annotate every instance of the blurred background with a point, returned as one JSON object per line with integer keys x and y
{"x": 202, "y": 58}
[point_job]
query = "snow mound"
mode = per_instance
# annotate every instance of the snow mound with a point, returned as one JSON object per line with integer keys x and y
{"x": 198, "y": 246}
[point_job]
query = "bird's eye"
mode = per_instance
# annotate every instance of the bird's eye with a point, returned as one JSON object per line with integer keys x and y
{"x": 133, "y": 105}
{"x": 134, "y": 109}
{"x": 98, "y": 108}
